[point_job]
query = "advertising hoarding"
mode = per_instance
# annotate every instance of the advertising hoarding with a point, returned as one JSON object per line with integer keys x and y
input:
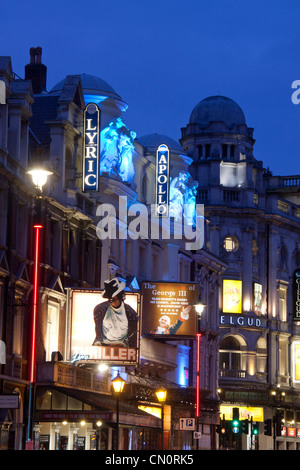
{"x": 232, "y": 296}
{"x": 90, "y": 312}
{"x": 296, "y": 361}
{"x": 168, "y": 309}
{"x": 257, "y": 297}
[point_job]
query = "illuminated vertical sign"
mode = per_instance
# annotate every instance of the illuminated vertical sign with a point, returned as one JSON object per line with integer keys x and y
{"x": 296, "y": 361}
{"x": 257, "y": 296}
{"x": 232, "y": 296}
{"x": 162, "y": 181}
{"x": 296, "y": 288}
{"x": 91, "y": 146}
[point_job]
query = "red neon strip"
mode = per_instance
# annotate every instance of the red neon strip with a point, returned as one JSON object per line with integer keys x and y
{"x": 198, "y": 338}
{"x": 35, "y": 294}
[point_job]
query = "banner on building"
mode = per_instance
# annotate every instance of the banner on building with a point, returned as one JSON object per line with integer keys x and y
{"x": 257, "y": 297}
{"x": 99, "y": 333}
{"x": 162, "y": 181}
{"x": 232, "y": 296}
{"x": 296, "y": 289}
{"x": 91, "y": 147}
{"x": 168, "y": 309}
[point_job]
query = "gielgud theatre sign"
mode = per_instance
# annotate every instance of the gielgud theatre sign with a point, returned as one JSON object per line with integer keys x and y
{"x": 87, "y": 341}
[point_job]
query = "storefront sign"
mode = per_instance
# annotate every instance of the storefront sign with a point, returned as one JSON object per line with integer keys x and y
{"x": 232, "y": 296}
{"x": 92, "y": 316}
{"x": 242, "y": 320}
{"x": 168, "y": 309}
{"x": 291, "y": 432}
{"x": 9, "y": 401}
{"x": 91, "y": 145}
{"x": 297, "y": 295}
{"x": 162, "y": 181}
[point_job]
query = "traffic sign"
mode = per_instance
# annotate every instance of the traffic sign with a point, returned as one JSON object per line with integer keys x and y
{"x": 187, "y": 424}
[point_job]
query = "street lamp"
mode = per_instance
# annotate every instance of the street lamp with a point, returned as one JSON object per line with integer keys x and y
{"x": 161, "y": 395}
{"x": 39, "y": 178}
{"x": 199, "y": 307}
{"x": 118, "y": 386}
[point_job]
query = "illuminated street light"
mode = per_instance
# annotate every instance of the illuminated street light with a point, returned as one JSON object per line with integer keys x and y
{"x": 39, "y": 178}
{"x": 199, "y": 307}
{"x": 118, "y": 386}
{"x": 161, "y": 395}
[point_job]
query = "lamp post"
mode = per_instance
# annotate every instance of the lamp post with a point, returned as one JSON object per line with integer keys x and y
{"x": 161, "y": 395}
{"x": 199, "y": 307}
{"x": 118, "y": 386}
{"x": 39, "y": 178}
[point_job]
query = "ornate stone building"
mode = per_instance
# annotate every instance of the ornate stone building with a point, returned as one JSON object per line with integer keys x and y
{"x": 47, "y": 128}
{"x": 255, "y": 229}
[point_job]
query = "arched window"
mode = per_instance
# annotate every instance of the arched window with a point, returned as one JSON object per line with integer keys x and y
{"x": 230, "y": 354}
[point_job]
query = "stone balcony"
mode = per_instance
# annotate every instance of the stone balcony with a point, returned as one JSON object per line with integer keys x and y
{"x": 70, "y": 376}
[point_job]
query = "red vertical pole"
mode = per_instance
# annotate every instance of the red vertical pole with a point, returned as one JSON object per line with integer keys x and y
{"x": 35, "y": 299}
{"x": 198, "y": 339}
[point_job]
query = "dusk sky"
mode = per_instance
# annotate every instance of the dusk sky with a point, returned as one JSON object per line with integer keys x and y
{"x": 163, "y": 57}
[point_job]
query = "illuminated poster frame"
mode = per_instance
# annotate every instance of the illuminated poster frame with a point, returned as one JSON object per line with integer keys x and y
{"x": 162, "y": 181}
{"x": 296, "y": 361}
{"x": 232, "y": 296}
{"x": 169, "y": 300}
{"x": 257, "y": 297}
{"x": 83, "y": 344}
{"x": 91, "y": 147}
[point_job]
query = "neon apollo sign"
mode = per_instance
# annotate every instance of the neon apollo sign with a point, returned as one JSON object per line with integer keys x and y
{"x": 162, "y": 180}
{"x": 91, "y": 141}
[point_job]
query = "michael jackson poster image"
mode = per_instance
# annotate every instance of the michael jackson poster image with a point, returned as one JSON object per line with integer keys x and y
{"x": 105, "y": 324}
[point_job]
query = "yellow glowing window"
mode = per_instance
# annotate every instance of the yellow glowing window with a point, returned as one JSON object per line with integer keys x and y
{"x": 230, "y": 244}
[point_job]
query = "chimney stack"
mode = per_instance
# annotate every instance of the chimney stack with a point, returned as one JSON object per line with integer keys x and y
{"x": 36, "y": 71}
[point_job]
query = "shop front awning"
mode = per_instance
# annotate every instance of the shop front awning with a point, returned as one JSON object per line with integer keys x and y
{"x": 101, "y": 408}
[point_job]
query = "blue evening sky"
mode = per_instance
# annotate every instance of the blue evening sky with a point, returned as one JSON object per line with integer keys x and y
{"x": 164, "y": 56}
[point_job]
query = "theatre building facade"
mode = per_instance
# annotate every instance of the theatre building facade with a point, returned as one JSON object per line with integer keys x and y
{"x": 101, "y": 175}
{"x": 178, "y": 225}
{"x": 255, "y": 229}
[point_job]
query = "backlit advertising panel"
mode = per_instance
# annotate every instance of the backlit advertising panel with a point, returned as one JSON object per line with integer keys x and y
{"x": 232, "y": 296}
{"x": 257, "y": 297}
{"x": 168, "y": 309}
{"x": 99, "y": 333}
{"x": 296, "y": 361}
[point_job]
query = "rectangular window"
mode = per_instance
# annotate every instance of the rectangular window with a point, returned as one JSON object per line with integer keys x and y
{"x": 282, "y": 304}
{"x": 52, "y": 329}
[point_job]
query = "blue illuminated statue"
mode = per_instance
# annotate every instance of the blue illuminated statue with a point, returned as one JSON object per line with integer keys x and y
{"x": 182, "y": 197}
{"x": 116, "y": 151}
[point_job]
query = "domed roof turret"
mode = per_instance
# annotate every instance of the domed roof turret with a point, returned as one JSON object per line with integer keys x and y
{"x": 91, "y": 85}
{"x": 217, "y": 109}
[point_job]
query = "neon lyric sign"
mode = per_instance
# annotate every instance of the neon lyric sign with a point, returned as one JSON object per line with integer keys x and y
{"x": 162, "y": 181}
{"x": 91, "y": 145}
